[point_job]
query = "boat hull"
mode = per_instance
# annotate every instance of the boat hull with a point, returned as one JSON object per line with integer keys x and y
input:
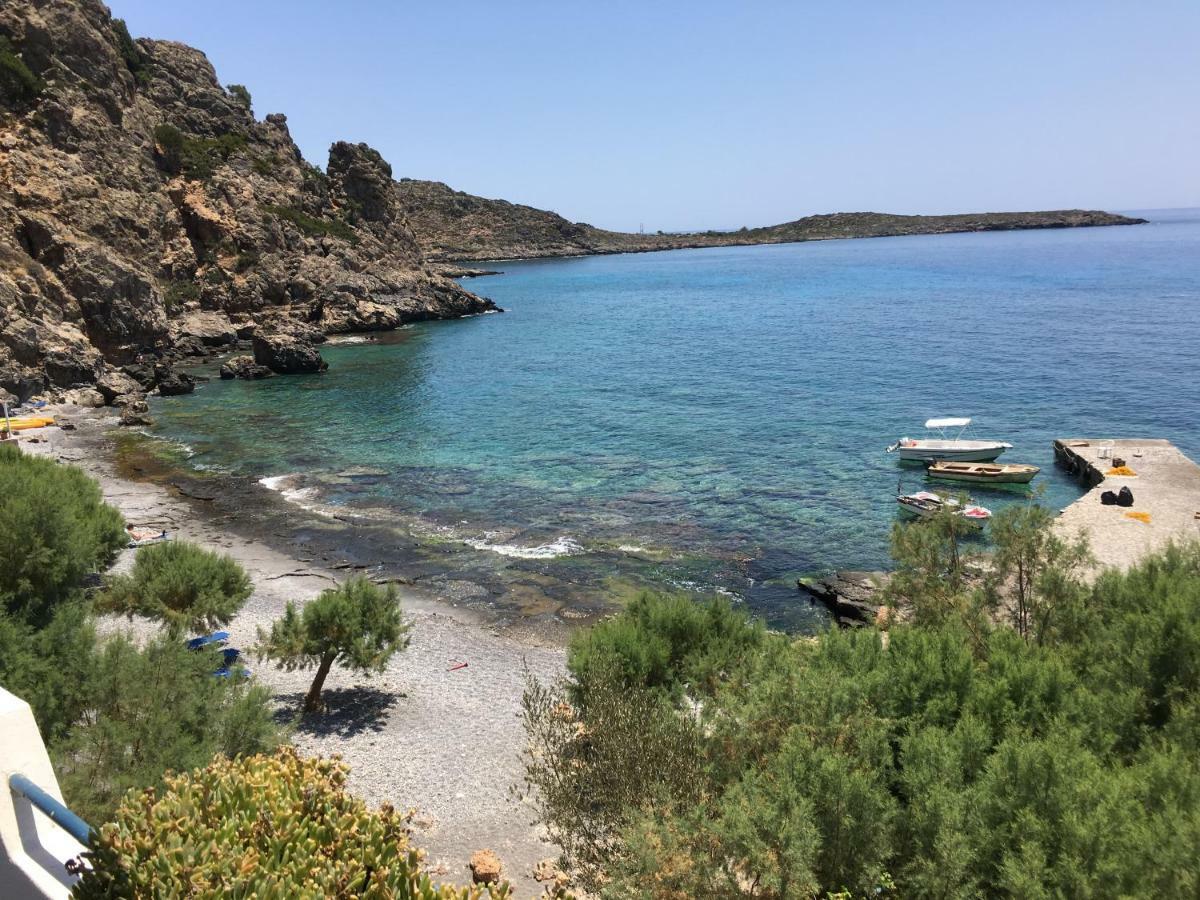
{"x": 986, "y": 453}
{"x": 982, "y": 474}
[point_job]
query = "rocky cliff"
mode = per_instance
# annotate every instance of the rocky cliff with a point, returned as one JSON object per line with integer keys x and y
{"x": 145, "y": 213}
{"x": 452, "y": 225}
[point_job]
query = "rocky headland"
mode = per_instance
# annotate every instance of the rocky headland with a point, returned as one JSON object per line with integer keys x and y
{"x": 452, "y": 225}
{"x": 146, "y": 216}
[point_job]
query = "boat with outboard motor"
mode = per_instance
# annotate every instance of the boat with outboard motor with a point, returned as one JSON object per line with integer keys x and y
{"x": 926, "y": 504}
{"x": 956, "y": 448}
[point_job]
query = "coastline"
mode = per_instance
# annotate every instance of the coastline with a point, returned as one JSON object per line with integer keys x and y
{"x": 443, "y": 743}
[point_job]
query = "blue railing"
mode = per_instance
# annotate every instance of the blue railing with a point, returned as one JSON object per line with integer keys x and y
{"x": 58, "y": 813}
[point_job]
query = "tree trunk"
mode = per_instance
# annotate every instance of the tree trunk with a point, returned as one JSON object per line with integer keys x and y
{"x": 312, "y": 703}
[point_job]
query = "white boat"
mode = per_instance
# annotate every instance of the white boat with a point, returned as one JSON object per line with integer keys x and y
{"x": 927, "y": 503}
{"x": 956, "y": 448}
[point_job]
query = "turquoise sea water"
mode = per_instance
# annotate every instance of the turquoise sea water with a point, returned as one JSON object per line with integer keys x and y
{"x": 717, "y": 418}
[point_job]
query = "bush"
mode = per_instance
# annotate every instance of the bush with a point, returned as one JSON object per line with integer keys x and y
{"x": 54, "y": 529}
{"x": 957, "y": 759}
{"x": 17, "y": 83}
{"x": 312, "y": 226}
{"x": 357, "y": 625}
{"x": 667, "y": 642}
{"x": 135, "y": 59}
{"x": 50, "y": 667}
{"x": 179, "y": 292}
{"x": 266, "y": 826}
{"x": 240, "y": 93}
{"x": 151, "y": 710}
{"x": 181, "y": 585}
{"x": 194, "y": 157}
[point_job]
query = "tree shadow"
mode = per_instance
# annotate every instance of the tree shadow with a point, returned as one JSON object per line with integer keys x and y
{"x": 348, "y": 711}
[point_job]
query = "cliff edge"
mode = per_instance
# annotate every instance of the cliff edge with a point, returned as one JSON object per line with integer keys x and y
{"x": 145, "y": 213}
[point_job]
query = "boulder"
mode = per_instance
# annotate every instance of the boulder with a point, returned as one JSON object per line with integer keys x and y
{"x": 136, "y": 412}
{"x": 243, "y": 367}
{"x": 84, "y": 397}
{"x": 287, "y": 354}
{"x": 485, "y": 867}
{"x": 852, "y": 597}
{"x": 66, "y": 367}
{"x": 171, "y": 383}
{"x": 114, "y": 384}
{"x": 212, "y": 329}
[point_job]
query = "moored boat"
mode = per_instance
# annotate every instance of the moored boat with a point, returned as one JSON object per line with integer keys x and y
{"x": 955, "y": 448}
{"x": 926, "y": 504}
{"x": 981, "y": 473}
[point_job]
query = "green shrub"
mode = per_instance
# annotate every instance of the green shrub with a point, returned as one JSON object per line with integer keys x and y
{"x": 54, "y": 529}
{"x": 18, "y": 84}
{"x": 358, "y": 625}
{"x": 312, "y": 226}
{"x": 50, "y": 667}
{"x": 179, "y": 292}
{"x": 135, "y": 59}
{"x": 956, "y": 759}
{"x": 667, "y": 642}
{"x": 265, "y": 826}
{"x": 151, "y": 710}
{"x": 181, "y": 585}
{"x": 246, "y": 259}
{"x": 240, "y": 93}
{"x": 266, "y": 165}
{"x": 194, "y": 157}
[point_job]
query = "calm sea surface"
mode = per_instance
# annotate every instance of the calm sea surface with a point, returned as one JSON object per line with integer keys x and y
{"x": 716, "y": 419}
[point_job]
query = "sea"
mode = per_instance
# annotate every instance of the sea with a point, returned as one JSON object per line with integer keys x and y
{"x": 715, "y": 421}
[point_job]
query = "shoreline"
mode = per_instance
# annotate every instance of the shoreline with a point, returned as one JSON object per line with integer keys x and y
{"x": 443, "y": 743}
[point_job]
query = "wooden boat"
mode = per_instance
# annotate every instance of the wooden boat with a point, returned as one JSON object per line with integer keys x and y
{"x": 955, "y": 448}
{"x": 927, "y": 503}
{"x": 981, "y": 473}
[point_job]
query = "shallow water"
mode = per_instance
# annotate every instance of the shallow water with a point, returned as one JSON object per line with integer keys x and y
{"x": 716, "y": 419}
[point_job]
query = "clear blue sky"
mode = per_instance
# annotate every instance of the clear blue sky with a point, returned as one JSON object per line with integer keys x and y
{"x": 697, "y": 114}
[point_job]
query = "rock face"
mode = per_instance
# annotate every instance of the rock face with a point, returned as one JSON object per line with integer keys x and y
{"x": 145, "y": 213}
{"x": 287, "y": 354}
{"x": 852, "y": 597}
{"x": 452, "y": 225}
{"x": 244, "y": 367}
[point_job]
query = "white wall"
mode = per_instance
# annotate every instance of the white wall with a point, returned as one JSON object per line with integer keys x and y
{"x": 33, "y": 849}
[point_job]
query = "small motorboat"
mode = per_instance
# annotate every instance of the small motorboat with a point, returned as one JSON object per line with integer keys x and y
{"x": 927, "y": 503}
{"x": 981, "y": 473}
{"x": 955, "y": 448}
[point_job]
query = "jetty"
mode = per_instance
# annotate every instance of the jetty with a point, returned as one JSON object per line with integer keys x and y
{"x": 1166, "y": 496}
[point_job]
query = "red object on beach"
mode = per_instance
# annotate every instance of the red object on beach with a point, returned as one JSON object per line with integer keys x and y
{"x": 456, "y": 667}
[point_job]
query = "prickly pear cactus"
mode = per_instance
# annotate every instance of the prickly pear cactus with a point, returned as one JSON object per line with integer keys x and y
{"x": 271, "y": 827}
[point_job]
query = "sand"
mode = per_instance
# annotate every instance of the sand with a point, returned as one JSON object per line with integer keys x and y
{"x": 425, "y": 735}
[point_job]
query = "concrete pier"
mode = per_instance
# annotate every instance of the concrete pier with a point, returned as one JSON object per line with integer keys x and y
{"x": 1166, "y": 488}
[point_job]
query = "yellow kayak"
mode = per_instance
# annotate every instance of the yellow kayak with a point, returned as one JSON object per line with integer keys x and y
{"x": 21, "y": 423}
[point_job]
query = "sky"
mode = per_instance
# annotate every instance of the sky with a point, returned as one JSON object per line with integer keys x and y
{"x": 692, "y": 115}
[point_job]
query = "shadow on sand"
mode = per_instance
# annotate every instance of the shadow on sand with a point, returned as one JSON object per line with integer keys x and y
{"x": 348, "y": 711}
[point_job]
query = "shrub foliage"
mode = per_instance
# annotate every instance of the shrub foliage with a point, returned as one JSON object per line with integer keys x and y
{"x": 18, "y": 85}
{"x": 313, "y": 226}
{"x": 54, "y": 529}
{"x": 276, "y": 826}
{"x": 194, "y": 157}
{"x": 181, "y": 585}
{"x": 957, "y": 758}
